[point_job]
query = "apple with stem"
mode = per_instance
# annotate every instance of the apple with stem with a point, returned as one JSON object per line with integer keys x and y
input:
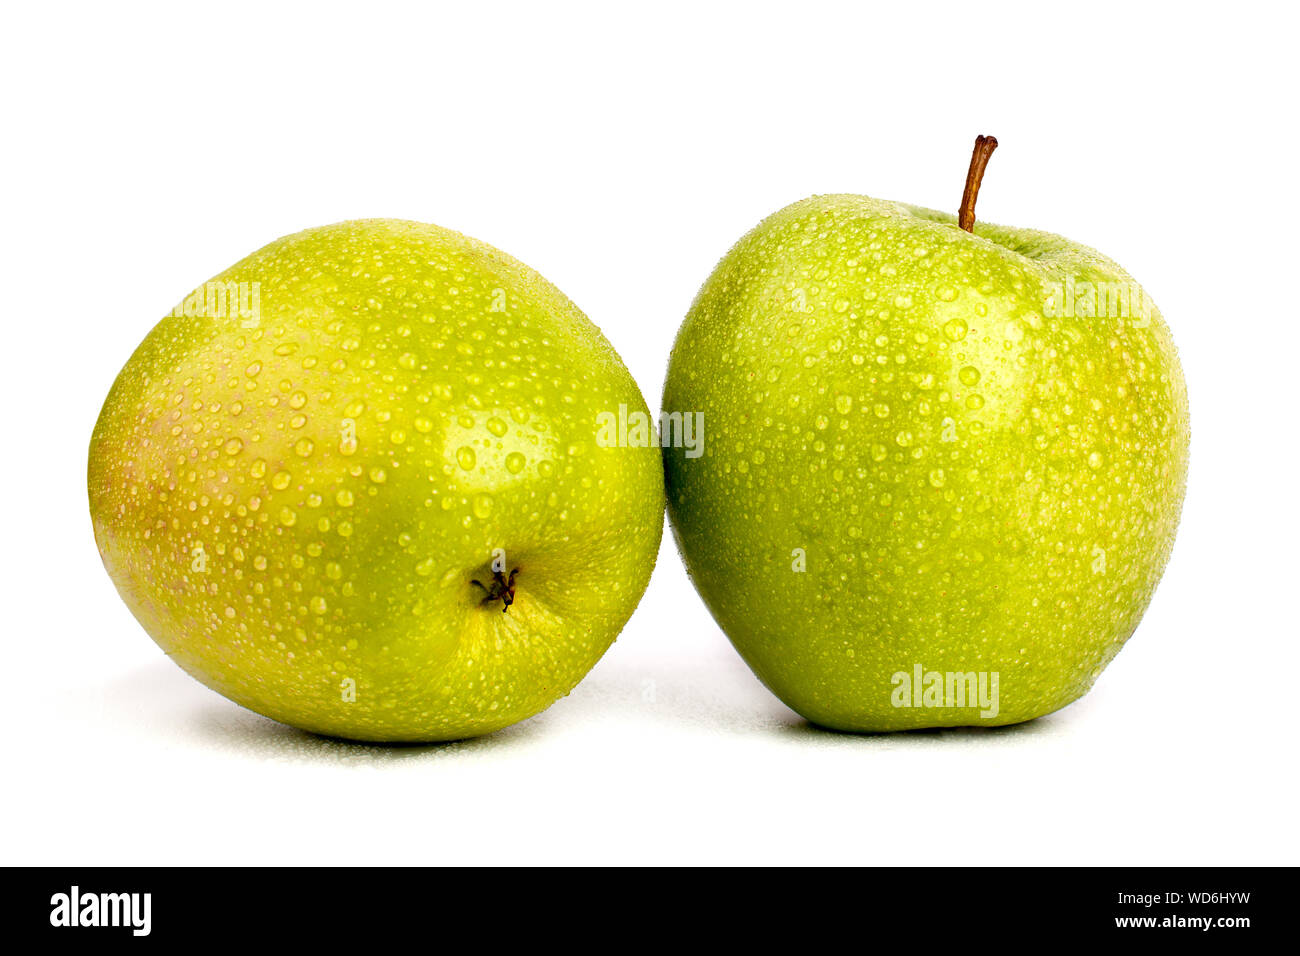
{"x": 946, "y": 460}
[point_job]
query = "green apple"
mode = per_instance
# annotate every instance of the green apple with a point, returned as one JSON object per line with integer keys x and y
{"x": 353, "y": 483}
{"x": 944, "y": 467}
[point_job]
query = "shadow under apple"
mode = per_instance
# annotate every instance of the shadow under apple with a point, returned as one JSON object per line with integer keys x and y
{"x": 164, "y": 700}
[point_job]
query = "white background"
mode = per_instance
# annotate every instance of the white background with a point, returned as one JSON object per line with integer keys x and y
{"x": 620, "y": 152}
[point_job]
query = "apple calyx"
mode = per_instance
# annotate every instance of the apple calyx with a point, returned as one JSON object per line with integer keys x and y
{"x": 502, "y": 589}
{"x": 979, "y": 158}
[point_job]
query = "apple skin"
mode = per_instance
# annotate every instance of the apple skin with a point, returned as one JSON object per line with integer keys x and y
{"x": 977, "y": 485}
{"x": 407, "y": 401}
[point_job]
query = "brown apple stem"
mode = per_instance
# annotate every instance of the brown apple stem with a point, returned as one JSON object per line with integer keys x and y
{"x": 984, "y": 146}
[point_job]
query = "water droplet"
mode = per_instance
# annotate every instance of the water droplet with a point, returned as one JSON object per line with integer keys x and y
{"x": 496, "y": 426}
{"x": 969, "y": 375}
{"x": 515, "y": 462}
{"x": 465, "y": 457}
{"x": 956, "y": 329}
